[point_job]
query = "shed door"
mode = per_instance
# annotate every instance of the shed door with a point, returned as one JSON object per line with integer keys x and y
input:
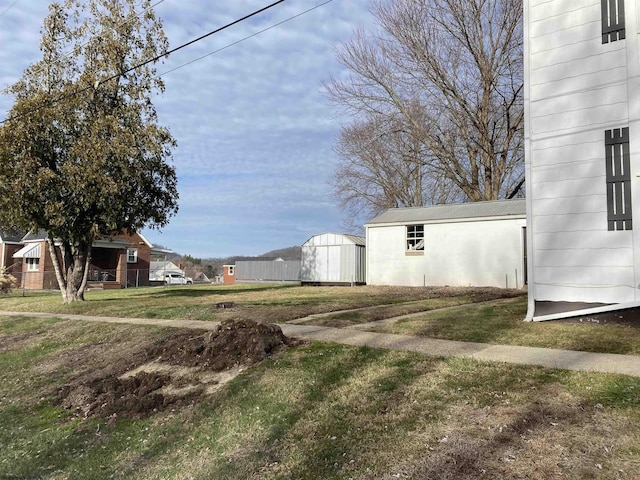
{"x": 333, "y": 263}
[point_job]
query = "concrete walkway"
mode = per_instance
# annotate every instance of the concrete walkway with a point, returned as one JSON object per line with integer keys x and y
{"x": 546, "y": 357}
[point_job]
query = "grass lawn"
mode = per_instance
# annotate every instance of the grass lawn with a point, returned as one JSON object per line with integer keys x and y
{"x": 317, "y": 411}
{"x": 498, "y": 322}
{"x": 501, "y": 323}
{"x": 271, "y": 303}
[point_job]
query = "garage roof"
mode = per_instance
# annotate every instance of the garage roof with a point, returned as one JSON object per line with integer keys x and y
{"x": 461, "y": 211}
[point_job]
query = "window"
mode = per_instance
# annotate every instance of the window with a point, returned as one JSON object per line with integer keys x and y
{"x": 618, "y": 179}
{"x": 33, "y": 264}
{"x": 132, "y": 255}
{"x": 612, "y": 20}
{"x": 415, "y": 238}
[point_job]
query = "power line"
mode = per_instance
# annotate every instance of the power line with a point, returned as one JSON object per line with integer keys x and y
{"x": 243, "y": 39}
{"x": 8, "y": 8}
{"x": 154, "y": 59}
{"x": 214, "y": 31}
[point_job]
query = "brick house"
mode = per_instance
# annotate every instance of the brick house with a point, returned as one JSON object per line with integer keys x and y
{"x": 117, "y": 261}
{"x": 10, "y": 243}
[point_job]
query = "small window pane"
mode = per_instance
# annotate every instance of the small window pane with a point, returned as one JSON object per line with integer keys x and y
{"x": 415, "y": 237}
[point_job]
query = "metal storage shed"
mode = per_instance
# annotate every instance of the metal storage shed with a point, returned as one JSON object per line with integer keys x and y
{"x": 333, "y": 259}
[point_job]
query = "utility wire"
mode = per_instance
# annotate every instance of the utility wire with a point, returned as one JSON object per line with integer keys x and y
{"x": 243, "y": 39}
{"x": 8, "y": 8}
{"x": 154, "y": 59}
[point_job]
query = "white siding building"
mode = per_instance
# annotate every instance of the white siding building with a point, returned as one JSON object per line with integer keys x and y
{"x": 335, "y": 259}
{"x": 471, "y": 244}
{"x": 582, "y": 121}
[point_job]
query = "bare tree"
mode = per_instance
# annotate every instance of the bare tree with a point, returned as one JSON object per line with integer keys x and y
{"x": 382, "y": 167}
{"x": 439, "y": 86}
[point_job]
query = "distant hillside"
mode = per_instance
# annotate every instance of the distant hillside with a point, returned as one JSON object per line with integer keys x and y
{"x": 290, "y": 253}
{"x": 212, "y": 266}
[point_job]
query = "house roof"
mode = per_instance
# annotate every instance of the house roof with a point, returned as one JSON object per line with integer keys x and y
{"x": 461, "y": 211}
{"x": 38, "y": 236}
{"x": 9, "y": 235}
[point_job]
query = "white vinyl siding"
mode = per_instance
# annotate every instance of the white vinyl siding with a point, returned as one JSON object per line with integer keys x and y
{"x": 576, "y": 88}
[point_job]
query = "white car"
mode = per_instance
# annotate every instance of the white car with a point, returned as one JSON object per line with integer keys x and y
{"x": 177, "y": 279}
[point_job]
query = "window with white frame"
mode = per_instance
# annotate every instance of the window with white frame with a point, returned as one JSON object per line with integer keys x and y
{"x": 415, "y": 238}
{"x": 132, "y": 255}
{"x": 33, "y": 264}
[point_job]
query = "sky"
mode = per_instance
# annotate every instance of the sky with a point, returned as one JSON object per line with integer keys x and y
{"x": 255, "y": 130}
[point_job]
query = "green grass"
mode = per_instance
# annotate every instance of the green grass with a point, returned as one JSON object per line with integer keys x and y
{"x": 273, "y": 303}
{"x": 501, "y": 323}
{"x": 319, "y": 411}
{"x": 498, "y": 322}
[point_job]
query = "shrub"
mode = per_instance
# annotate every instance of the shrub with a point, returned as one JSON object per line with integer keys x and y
{"x": 7, "y": 281}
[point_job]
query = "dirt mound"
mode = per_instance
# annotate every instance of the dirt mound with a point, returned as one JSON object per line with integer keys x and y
{"x": 180, "y": 371}
{"x": 133, "y": 397}
{"x": 230, "y": 345}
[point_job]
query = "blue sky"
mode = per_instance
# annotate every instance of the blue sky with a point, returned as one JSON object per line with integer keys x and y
{"x": 255, "y": 132}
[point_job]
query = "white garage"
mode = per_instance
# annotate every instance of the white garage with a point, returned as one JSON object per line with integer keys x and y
{"x": 469, "y": 244}
{"x": 333, "y": 259}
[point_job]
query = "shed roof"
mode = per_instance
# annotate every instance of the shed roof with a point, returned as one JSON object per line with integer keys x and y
{"x": 329, "y": 238}
{"x": 472, "y": 210}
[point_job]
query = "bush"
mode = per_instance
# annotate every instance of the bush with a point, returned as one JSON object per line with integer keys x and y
{"x": 7, "y": 281}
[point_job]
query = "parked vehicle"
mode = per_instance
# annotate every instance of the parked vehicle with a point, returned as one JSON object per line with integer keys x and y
{"x": 177, "y": 279}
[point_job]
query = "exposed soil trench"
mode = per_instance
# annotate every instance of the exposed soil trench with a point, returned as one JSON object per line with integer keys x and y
{"x": 177, "y": 372}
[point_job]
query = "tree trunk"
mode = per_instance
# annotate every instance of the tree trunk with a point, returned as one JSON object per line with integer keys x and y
{"x": 75, "y": 275}
{"x": 71, "y": 275}
{"x": 56, "y": 266}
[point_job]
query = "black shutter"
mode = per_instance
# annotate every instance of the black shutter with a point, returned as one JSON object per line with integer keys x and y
{"x": 612, "y": 20}
{"x": 618, "y": 179}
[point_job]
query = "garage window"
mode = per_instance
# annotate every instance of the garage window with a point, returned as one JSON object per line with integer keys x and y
{"x": 415, "y": 238}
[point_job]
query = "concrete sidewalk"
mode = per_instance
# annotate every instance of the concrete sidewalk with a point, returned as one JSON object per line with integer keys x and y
{"x": 546, "y": 357}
